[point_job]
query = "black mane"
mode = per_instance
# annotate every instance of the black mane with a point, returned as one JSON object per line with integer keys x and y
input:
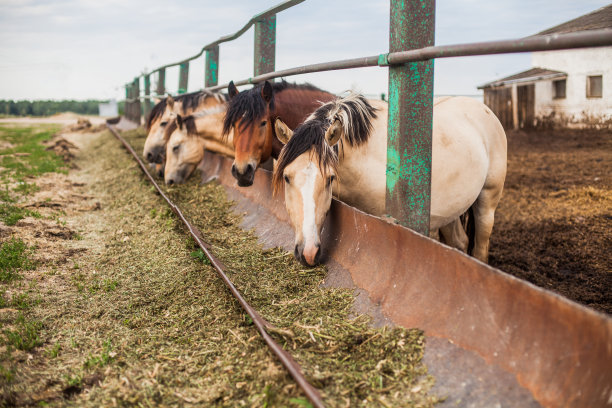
{"x": 188, "y": 101}
{"x": 248, "y": 106}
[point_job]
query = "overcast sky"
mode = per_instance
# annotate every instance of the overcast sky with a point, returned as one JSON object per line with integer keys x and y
{"x": 82, "y": 49}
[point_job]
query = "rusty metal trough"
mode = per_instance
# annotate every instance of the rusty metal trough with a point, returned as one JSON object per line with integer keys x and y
{"x": 558, "y": 350}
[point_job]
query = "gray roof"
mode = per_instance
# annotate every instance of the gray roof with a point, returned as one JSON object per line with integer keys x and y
{"x": 595, "y": 20}
{"x": 531, "y": 75}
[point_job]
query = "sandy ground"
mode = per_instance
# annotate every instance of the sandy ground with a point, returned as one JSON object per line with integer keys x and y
{"x": 67, "y": 118}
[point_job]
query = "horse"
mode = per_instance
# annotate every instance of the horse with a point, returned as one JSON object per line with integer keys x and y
{"x": 340, "y": 150}
{"x": 187, "y": 137}
{"x": 166, "y": 110}
{"x": 251, "y": 114}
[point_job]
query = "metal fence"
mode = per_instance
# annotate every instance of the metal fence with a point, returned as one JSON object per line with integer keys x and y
{"x": 410, "y": 62}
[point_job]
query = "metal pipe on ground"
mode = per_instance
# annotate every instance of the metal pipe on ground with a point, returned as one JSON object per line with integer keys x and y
{"x": 262, "y": 325}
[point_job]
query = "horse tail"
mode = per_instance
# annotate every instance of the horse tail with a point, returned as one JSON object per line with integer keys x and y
{"x": 469, "y": 225}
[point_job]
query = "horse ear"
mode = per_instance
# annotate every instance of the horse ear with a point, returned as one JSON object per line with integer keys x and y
{"x": 179, "y": 121}
{"x": 170, "y": 102}
{"x": 232, "y": 90}
{"x": 282, "y": 131}
{"x": 333, "y": 134}
{"x": 266, "y": 92}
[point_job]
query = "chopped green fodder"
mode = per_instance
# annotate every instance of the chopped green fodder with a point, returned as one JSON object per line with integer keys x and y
{"x": 143, "y": 320}
{"x": 349, "y": 361}
{"x": 14, "y": 256}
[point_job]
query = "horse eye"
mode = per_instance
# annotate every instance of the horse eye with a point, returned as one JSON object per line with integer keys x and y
{"x": 330, "y": 180}
{"x": 287, "y": 179}
{"x": 163, "y": 123}
{"x": 175, "y": 148}
{"x": 263, "y": 123}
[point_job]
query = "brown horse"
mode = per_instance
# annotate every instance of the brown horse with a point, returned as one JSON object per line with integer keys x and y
{"x": 166, "y": 110}
{"x": 251, "y": 114}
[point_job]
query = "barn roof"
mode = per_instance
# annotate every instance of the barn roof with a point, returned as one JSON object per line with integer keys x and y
{"x": 595, "y": 20}
{"x": 531, "y": 75}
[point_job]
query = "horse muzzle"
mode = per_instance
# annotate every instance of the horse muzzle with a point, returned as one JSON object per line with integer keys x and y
{"x": 244, "y": 178}
{"x": 156, "y": 155}
{"x": 309, "y": 255}
{"x": 179, "y": 176}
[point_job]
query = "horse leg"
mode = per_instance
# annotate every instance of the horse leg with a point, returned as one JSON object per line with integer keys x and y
{"x": 453, "y": 234}
{"x": 484, "y": 215}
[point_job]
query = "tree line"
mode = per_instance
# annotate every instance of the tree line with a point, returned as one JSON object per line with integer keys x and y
{"x": 51, "y": 107}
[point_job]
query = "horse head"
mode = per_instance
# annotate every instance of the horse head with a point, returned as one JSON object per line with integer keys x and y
{"x": 306, "y": 168}
{"x": 308, "y": 165}
{"x": 249, "y": 115}
{"x": 184, "y": 149}
{"x": 161, "y": 114}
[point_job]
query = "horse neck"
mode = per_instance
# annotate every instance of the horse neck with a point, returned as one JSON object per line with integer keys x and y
{"x": 218, "y": 146}
{"x": 293, "y": 106}
{"x": 361, "y": 169}
{"x": 211, "y": 126}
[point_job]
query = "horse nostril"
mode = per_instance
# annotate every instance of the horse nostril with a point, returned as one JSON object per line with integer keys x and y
{"x": 249, "y": 169}
{"x": 170, "y": 182}
{"x": 149, "y": 156}
{"x": 317, "y": 257}
{"x": 296, "y": 253}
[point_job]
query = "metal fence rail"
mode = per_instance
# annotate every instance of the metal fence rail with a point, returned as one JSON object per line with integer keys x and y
{"x": 410, "y": 64}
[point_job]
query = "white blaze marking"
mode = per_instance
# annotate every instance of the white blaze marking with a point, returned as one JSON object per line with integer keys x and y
{"x": 309, "y": 228}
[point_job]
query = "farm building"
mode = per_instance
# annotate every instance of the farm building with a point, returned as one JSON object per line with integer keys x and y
{"x": 570, "y": 88}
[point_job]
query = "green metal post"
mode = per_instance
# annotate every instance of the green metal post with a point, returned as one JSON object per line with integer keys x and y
{"x": 409, "y": 139}
{"x": 137, "y": 106}
{"x": 183, "y": 77}
{"x": 128, "y": 95}
{"x": 211, "y": 67}
{"x": 265, "y": 45}
{"x": 147, "y": 91}
{"x": 161, "y": 81}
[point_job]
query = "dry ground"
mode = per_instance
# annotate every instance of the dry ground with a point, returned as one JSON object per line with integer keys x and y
{"x": 121, "y": 309}
{"x": 554, "y": 223}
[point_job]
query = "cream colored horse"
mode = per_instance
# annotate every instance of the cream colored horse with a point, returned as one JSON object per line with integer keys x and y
{"x": 468, "y": 168}
{"x": 164, "y": 112}
{"x": 187, "y": 137}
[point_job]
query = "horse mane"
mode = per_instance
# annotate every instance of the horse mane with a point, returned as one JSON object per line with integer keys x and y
{"x": 188, "y": 101}
{"x": 308, "y": 136}
{"x": 355, "y": 115}
{"x": 249, "y": 106}
{"x": 188, "y": 122}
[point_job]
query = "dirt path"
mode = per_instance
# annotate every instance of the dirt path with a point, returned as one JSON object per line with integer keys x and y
{"x": 554, "y": 223}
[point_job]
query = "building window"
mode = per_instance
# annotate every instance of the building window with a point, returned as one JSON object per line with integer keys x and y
{"x": 594, "y": 86}
{"x": 559, "y": 89}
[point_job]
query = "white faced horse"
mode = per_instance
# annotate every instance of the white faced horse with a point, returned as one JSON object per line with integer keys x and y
{"x": 187, "y": 137}
{"x": 341, "y": 149}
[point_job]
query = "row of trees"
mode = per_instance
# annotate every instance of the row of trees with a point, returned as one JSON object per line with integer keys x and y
{"x": 50, "y": 107}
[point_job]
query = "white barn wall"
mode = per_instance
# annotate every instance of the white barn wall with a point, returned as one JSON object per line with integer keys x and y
{"x": 578, "y": 64}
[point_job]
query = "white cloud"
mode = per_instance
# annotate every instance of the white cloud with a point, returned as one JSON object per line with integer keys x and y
{"x": 85, "y": 48}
